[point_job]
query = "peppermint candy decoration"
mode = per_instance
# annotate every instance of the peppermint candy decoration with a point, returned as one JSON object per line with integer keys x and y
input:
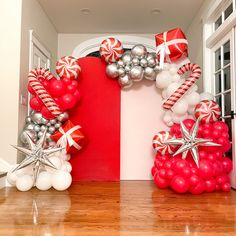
{"x": 207, "y": 111}
{"x": 68, "y": 67}
{"x": 42, "y": 93}
{"x": 159, "y": 145}
{"x": 111, "y": 50}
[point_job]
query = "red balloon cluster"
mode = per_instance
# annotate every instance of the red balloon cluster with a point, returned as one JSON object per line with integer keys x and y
{"x": 64, "y": 92}
{"x": 183, "y": 175}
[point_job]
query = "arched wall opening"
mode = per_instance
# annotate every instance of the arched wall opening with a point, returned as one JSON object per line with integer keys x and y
{"x": 135, "y": 119}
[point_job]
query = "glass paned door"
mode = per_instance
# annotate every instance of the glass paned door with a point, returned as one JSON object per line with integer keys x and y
{"x": 222, "y": 81}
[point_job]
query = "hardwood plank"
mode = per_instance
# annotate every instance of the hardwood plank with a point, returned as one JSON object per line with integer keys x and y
{"x": 113, "y": 208}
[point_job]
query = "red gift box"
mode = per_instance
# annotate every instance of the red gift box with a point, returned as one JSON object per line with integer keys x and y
{"x": 171, "y": 46}
{"x": 69, "y": 136}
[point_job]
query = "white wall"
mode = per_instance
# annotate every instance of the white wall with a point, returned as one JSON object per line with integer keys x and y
{"x": 10, "y": 29}
{"x": 194, "y": 35}
{"x": 34, "y": 18}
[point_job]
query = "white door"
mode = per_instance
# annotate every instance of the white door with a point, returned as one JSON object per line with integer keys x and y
{"x": 39, "y": 59}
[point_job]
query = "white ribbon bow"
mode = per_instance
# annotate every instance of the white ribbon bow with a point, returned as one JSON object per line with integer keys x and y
{"x": 66, "y": 137}
{"x": 163, "y": 49}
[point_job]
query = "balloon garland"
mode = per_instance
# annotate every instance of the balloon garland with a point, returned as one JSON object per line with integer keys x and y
{"x": 49, "y": 136}
{"x": 191, "y": 156}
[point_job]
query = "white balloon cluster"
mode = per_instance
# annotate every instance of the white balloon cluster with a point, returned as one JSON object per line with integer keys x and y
{"x": 59, "y": 178}
{"x": 169, "y": 81}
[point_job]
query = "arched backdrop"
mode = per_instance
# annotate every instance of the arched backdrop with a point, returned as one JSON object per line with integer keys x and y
{"x": 119, "y": 123}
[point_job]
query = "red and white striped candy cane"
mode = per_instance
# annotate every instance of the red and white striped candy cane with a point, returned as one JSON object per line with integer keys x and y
{"x": 184, "y": 87}
{"x": 42, "y": 93}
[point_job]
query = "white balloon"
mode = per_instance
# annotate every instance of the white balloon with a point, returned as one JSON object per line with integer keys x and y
{"x": 206, "y": 96}
{"x": 191, "y": 110}
{"x": 167, "y": 117}
{"x": 24, "y": 183}
{"x": 166, "y": 66}
{"x": 175, "y": 78}
{"x": 163, "y": 94}
{"x": 170, "y": 123}
{"x": 44, "y": 181}
{"x": 11, "y": 177}
{"x": 193, "y": 98}
{"x": 61, "y": 180}
{"x": 163, "y": 79}
{"x": 178, "y": 119}
{"x": 66, "y": 166}
{"x": 180, "y": 108}
{"x": 171, "y": 88}
{"x": 56, "y": 161}
{"x": 173, "y": 70}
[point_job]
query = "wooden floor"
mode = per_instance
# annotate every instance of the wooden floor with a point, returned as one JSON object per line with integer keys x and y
{"x": 126, "y": 208}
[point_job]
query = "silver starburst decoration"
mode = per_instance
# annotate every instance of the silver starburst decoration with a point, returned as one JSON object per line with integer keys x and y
{"x": 37, "y": 155}
{"x": 190, "y": 142}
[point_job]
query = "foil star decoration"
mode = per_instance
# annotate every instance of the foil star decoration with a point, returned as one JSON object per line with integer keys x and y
{"x": 190, "y": 142}
{"x": 37, "y": 155}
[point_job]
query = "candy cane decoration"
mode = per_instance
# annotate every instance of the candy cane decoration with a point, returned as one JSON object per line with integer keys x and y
{"x": 184, "y": 87}
{"x": 42, "y": 93}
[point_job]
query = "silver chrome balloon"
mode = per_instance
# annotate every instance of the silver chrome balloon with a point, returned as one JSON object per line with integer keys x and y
{"x": 149, "y": 73}
{"x": 125, "y": 81}
{"x": 36, "y": 117}
{"x": 151, "y": 62}
{"x": 44, "y": 121}
{"x": 156, "y": 68}
{"x": 30, "y": 133}
{"x": 136, "y": 73}
{"x": 127, "y": 69}
{"x": 48, "y": 135}
{"x": 37, "y": 128}
{"x": 40, "y": 134}
{"x": 29, "y": 126}
{"x": 53, "y": 121}
{"x": 151, "y": 55}
{"x": 43, "y": 128}
{"x": 120, "y": 64}
{"x": 51, "y": 129}
{"x": 139, "y": 51}
{"x": 135, "y": 61}
{"x": 121, "y": 71}
{"x": 57, "y": 125}
{"x": 63, "y": 117}
{"x": 112, "y": 70}
{"x": 143, "y": 62}
{"x": 27, "y": 120}
{"x": 127, "y": 58}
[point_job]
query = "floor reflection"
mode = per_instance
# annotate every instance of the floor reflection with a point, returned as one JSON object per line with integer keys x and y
{"x": 112, "y": 208}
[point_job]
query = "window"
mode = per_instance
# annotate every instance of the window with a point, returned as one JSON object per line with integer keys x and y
{"x": 226, "y": 10}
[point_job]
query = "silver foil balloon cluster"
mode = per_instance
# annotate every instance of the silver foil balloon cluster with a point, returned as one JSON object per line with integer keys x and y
{"x": 36, "y": 124}
{"x": 134, "y": 65}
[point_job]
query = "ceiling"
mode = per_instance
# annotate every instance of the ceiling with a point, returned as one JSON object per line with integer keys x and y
{"x": 109, "y": 16}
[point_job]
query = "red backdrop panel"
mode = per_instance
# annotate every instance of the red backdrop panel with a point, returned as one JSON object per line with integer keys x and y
{"x": 99, "y": 115}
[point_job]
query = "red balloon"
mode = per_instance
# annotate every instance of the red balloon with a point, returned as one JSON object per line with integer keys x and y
{"x": 77, "y": 95}
{"x": 46, "y": 113}
{"x": 211, "y": 157}
{"x": 175, "y": 129}
{"x": 202, "y": 154}
{"x": 222, "y": 179}
{"x": 57, "y": 88}
{"x": 220, "y": 126}
{"x": 195, "y": 170}
{"x": 225, "y": 135}
{"x": 160, "y": 182}
{"x": 162, "y": 173}
{"x": 226, "y": 187}
{"x": 159, "y": 164}
{"x": 227, "y": 164}
{"x": 210, "y": 185}
{"x": 75, "y": 83}
{"x": 35, "y": 104}
{"x": 179, "y": 166}
{"x": 154, "y": 170}
{"x": 206, "y": 133}
{"x": 199, "y": 188}
{"x": 207, "y": 126}
{"x": 186, "y": 172}
{"x": 71, "y": 89}
{"x": 167, "y": 164}
{"x": 67, "y": 81}
{"x": 218, "y": 154}
{"x": 170, "y": 174}
{"x": 194, "y": 180}
{"x": 206, "y": 169}
{"x": 216, "y": 134}
{"x": 189, "y": 123}
{"x": 179, "y": 184}
{"x": 68, "y": 101}
{"x": 217, "y": 168}
{"x": 46, "y": 83}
